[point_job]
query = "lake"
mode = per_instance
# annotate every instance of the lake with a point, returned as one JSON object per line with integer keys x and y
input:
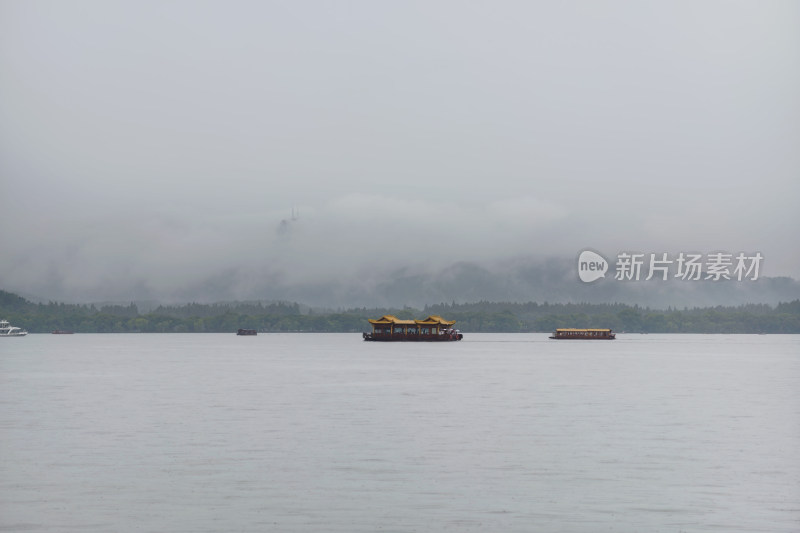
{"x": 325, "y": 432}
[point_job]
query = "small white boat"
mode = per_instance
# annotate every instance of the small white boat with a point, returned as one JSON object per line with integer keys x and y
{"x": 7, "y": 330}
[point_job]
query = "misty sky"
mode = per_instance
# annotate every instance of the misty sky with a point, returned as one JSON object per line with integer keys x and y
{"x": 146, "y": 147}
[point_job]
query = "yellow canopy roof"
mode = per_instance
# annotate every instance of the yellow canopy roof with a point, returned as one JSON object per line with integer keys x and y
{"x": 391, "y": 319}
{"x": 432, "y": 320}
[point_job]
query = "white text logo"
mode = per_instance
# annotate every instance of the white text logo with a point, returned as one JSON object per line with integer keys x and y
{"x": 684, "y": 266}
{"x": 591, "y": 266}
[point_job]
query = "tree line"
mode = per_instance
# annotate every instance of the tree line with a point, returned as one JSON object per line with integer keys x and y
{"x": 506, "y": 317}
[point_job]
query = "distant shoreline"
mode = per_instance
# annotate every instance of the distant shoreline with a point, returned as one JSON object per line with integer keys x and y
{"x": 479, "y": 317}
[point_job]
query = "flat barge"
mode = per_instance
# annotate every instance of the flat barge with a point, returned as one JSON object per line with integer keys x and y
{"x": 583, "y": 334}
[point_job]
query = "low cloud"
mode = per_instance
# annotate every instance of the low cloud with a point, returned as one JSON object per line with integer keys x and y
{"x": 238, "y": 153}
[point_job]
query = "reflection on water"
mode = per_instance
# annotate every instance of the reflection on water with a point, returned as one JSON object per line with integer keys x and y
{"x": 307, "y": 433}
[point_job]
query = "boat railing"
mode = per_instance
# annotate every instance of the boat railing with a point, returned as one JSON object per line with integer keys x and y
{"x": 417, "y": 336}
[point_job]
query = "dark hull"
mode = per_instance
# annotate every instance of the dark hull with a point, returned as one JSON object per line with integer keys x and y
{"x": 247, "y": 332}
{"x": 413, "y": 338}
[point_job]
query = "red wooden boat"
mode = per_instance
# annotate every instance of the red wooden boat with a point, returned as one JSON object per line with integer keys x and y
{"x": 584, "y": 334}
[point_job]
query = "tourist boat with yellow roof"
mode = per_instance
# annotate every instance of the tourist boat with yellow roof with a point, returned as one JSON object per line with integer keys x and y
{"x": 586, "y": 334}
{"x": 389, "y": 328}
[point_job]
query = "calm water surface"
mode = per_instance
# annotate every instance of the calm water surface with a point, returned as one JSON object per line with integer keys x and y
{"x": 326, "y": 433}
